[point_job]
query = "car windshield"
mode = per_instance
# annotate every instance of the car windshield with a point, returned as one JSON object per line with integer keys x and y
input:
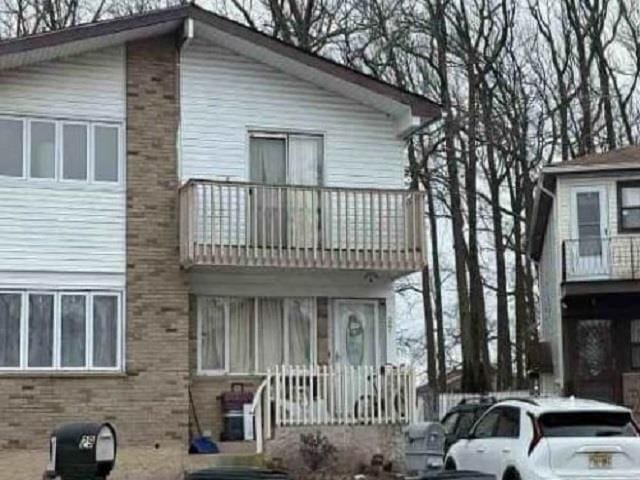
{"x": 467, "y": 420}
{"x": 588, "y": 424}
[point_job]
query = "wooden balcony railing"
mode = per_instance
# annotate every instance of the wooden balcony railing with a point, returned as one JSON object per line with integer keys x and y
{"x": 601, "y": 258}
{"x": 244, "y": 224}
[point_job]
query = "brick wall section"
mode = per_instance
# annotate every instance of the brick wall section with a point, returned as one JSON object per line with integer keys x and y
{"x": 148, "y": 404}
{"x": 157, "y": 288}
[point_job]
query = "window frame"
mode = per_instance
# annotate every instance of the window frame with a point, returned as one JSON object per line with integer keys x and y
{"x": 226, "y": 299}
{"x": 26, "y": 156}
{"x": 26, "y": 147}
{"x": 59, "y": 124}
{"x": 285, "y": 135}
{"x": 620, "y": 185}
{"x": 56, "y": 365}
{"x": 88, "y": 127}
{"x": 91, "y": 172}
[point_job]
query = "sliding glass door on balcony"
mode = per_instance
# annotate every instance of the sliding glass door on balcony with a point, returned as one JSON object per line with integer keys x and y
{"x": 588, "y": 252}
{"x": 282, "y": 218}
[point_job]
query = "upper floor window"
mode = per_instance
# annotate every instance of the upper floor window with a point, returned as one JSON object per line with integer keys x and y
{"x": 60, "y": 150}
{"x": 69, "y": 330}
{"x": 286, "y": 158}
{"x": 629, "y": 206}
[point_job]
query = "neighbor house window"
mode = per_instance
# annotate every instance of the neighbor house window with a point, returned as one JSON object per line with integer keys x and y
{"x": 635, "y": 344}
{"x": 246, "y": 335}
{"x": 629, "y": 206}
{"x": 60, "y": 150}
{"x": 47, "y": 330}
{"x": 11, "y": 147}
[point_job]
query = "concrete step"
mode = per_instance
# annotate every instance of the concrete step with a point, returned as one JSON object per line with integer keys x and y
{"x": 232, "y": 454}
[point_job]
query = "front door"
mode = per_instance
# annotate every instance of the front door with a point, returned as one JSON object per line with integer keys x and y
{"x": 587, "y": 253}
{"x": 354, "y": 333}
{"x": 592, "y": 362}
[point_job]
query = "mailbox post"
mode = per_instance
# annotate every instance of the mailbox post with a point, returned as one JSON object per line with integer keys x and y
{"x": 82, "y": 451}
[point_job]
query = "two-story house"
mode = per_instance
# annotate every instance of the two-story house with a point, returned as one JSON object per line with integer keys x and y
{"x": 585, "y": 239}
{"x": 186, "y": 203}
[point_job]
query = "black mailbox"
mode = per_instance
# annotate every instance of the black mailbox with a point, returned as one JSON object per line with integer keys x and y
{"x": 84, "y": 451}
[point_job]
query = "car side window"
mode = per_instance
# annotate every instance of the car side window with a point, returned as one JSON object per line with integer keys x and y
{"x": 508, "y": 425}
{"x": 486, "y": 425}
{"x": 465, "y": 423}
{"x": 449, "y": 423}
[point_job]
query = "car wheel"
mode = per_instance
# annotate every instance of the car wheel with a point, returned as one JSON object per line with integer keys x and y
{"x": 450, "y": 465}
{"x": 511, "y": 474}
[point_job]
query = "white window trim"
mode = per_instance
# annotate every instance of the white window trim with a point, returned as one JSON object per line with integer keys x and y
{"x": 57, "y": 333}
{"x": 88, "y": 128}
{"x": 59, "y": 151}
{"x": 227, "y": 299}
{"x": 286, "y": 134}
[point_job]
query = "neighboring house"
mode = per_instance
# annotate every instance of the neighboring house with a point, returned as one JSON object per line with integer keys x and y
{"x": 186, "y": 203}
{"x": 585, "y": 239}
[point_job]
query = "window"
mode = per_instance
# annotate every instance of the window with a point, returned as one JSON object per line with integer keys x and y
{"x": 588, "y": 424}
{"x": 508, "y": 425}
{"x": 244, "y": 335}
{"x": 106, "y": 154}
{"x": 11, "y": 147}
{"x": 10, "y": 314}
{"x": 629, "y": 206}
{"x": 485, "y": 427}
{"x": 60, "y": 330}
{"x": 635, "y": 344}
{"x": 588, "y": 209}
{"x": 60, "y": 150}
{"x": 74, "y": 148}
{"x": 43, "y": 150}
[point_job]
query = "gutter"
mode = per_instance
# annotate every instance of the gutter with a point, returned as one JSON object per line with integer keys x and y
{"x": 188, "y": 34}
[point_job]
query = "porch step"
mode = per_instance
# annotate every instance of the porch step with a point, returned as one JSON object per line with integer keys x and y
{"x": 232, "y": 454}
{"x": 237, "y": 447}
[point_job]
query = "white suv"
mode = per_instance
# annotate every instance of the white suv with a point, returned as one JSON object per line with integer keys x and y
{"x": 551, "y": 439}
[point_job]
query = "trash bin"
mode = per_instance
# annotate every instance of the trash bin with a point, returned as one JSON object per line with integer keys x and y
{"x": 237, "y": 473}
{"x": 424, "y": 447}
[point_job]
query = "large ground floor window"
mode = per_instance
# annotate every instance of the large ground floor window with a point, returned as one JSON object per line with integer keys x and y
{"x": 60, "y": 330}
{"x": 246, "y": 334}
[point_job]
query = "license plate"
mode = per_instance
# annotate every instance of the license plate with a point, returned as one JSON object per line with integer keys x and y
{"x": 599, "y": 460}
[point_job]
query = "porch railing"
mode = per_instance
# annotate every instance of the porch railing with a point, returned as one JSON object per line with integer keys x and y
{"x": 342, "y": 395}
{"x": 245, "y": 224}
{"x": 601, "y": 258}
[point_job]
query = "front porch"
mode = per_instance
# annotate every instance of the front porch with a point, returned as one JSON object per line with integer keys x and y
{"x": 601, "y": 339}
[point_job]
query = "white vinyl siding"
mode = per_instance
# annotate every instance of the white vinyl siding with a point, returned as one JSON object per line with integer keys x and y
{"x": 83, "y": 86}
{"x": 71, "y": 221}
{"x": 226, "y": 96}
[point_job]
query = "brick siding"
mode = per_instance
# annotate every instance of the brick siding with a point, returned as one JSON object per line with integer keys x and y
{"x": 149, "y": 403}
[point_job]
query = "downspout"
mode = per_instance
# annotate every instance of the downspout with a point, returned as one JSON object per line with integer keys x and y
{"x": 188, "y": 33}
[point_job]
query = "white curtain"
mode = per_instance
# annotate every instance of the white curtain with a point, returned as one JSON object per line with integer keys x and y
{"x": 299, "y": 313}
{"x": 10, "y": 306}
{"x": 271, "y": 333}
{"x": 105, "y": 330}
{"x": 40, "y": 330}
{"x": 212, "y": 316}
{"x": 241, "y": 335}
{"x": 73, "y": 335}
{"x": 305, "y": 157}
{"x": 268, "y": 166}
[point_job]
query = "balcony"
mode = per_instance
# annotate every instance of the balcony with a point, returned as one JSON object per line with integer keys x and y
{"x": 601, "y": 258}
{"x": 242, "y": 224}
